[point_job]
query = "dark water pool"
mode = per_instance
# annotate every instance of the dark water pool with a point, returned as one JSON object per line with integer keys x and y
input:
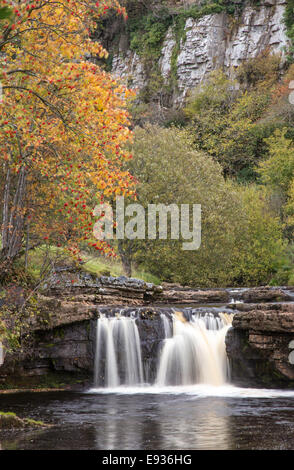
{"x": 153, "y": 421}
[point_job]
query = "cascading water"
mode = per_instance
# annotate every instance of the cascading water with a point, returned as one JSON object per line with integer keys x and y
{"x": 196, "y": 351}
{"x": 118, "y": 353}
{"x": 193, "y": 351}
{"x": 1, "y": 354}
{"x": 167, "y": 326}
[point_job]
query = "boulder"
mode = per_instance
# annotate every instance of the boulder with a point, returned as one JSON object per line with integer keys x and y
{"x": 265, "y": 321}
{"x": 265, "y": 294}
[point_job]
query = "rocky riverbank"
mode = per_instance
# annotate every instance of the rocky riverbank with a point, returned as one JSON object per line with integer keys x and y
{"x": 260, "y": 345}
{"x": 83, "y": 287}
{"x": 58, "y": 343}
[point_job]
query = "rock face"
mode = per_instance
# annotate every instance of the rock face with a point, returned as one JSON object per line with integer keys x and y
{"x": 266, "y": 294}
{"x": 244, "y": 307}
{"x": 66, "y": 350}
{"x": 259, "y": 348}
{"x": 265, "y": 321}
{"x": 171, "y": 295}
{"x": 68, "y": 346}
{"x": 203, "y": 50}
{"x": 211, "y": 42}
{"x": 130, "y": 68}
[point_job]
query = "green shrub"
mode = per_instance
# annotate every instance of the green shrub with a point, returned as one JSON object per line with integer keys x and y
{"x": 289, "y": 22}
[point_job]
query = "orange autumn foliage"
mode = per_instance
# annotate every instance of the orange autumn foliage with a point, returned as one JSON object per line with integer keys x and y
{"x": 63, "y": 122}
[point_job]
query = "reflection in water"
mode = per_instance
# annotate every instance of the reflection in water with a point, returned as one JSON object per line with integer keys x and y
{"x": 203, "y": 427}
{"x": 186, "y": 426}
{"x": 154, "y": 421}
{"x": 221, "y": 437}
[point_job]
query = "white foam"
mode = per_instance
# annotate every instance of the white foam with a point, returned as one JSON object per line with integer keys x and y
{"x": 197, "y": 391}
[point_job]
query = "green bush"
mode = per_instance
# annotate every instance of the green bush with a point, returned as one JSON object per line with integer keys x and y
{"x": 241, "y": 239}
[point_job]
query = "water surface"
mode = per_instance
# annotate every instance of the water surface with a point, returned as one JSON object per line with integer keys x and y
{"x": 186, "y": 418}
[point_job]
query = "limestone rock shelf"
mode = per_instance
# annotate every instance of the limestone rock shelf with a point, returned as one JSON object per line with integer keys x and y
{"x": 259, "y": 347}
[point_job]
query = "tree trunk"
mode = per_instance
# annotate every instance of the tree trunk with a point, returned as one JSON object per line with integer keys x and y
{"x": 5, "y": 216}
{"x": 125, "y": 252}
{"x": 13, "y": 219}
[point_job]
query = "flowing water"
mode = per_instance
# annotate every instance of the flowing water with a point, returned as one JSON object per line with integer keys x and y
{"x": 168, "y": 330}
{"x": 193, "y": 351}
{"x": 190, "y": 405}
{"x": 118, "y": 352}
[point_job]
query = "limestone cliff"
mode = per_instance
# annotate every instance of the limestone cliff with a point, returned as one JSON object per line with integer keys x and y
{"x": 205, "y": 43}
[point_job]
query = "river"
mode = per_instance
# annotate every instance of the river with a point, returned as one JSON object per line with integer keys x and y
{"x": 194, "y": 417}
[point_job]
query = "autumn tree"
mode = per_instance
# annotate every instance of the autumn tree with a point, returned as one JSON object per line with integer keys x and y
{"x": 5, "y": 13}
{"x": 62, "y": 125}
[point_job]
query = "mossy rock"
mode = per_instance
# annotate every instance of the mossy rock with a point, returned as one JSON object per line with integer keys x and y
{"x": 11, "y": 421}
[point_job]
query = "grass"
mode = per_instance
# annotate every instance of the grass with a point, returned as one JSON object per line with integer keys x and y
{"x": 102, "y": 266}
{"x": 97, "y": 265}
{"x": 7, "y": 414}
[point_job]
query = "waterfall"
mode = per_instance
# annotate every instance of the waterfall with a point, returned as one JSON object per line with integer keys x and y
{"x": 168, "y": 331}
{"x": 105, "y": 343}
{"x": 193, "y": 350}
{"x": 1, "y": 353}
{"x": 196, "y": 351}
{"x": 118, "y": 352}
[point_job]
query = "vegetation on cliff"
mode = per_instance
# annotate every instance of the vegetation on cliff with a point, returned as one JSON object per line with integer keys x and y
{"x": 289, "y": 22}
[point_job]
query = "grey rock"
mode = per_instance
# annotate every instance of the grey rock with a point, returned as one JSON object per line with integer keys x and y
{"x": 212, "y": 41}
